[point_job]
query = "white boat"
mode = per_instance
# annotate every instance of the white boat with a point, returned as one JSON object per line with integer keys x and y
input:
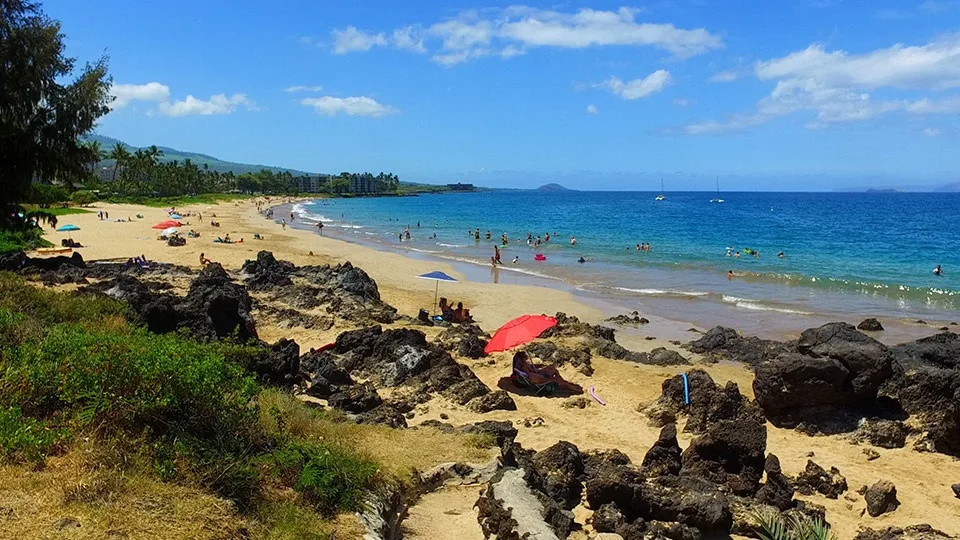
{"x": 717, "y": 199}
{"x": 661, "y": 196}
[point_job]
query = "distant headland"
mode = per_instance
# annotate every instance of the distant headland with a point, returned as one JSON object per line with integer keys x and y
{"x": 552, "y": 188}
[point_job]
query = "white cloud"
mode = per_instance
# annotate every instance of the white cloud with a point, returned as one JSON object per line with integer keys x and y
{"x": 125, "y": 93}
{"x": 217, "y": 104}
{"x": 931, "y": 132}
{"x": 638, "y": 88}
{"x": 680, "y": 102}
{"x": 511, "y": 31}
{"x": 409, "y": 38}
{"x": 350, "y": 39}
{"x": 351, "y": 106}
{"x": 298, "y": 88}
{"x": 592, "y": 109}
{"x": 836, "y": 86}
{"x": 725, "y": 77}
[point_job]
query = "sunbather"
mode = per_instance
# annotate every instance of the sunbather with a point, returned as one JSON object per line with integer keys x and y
{"x": 538, "y": 374}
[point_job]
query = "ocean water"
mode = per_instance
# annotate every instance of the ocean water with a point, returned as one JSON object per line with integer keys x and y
{"x": 845, "y": 253}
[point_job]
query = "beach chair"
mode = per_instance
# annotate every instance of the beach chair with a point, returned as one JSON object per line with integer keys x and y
{"x": 520, "y": 379}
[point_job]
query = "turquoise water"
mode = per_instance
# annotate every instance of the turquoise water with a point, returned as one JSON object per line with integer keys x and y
{"x": 869, "y": 254}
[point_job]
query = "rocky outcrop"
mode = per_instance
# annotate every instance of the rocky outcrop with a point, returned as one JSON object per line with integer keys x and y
{"x": 550, "y": 353}
{"x": 278, "y": 364}
{"x": 633, "y": 318}
{"x": 214, "y": 308}
{"x": 663, "y": 458}
{"x": 510, "y": 510}
{"x": 709, "y": 402}
{"x": 815, "y": 479}
{"x": 913, "y": 532}
{"x": 557, "y": 471}
{"x": 777, "y": 491}
{"x": 881, "y": 498}
{"x": 870, "y": 325}
{"x": 835, "y": 369}
{"x": 882, "y": 433}
{"x": 730, "y": 453}
{"x": 492, "y": 401}
{"x": 467, "y": 340}
{"x": 356, "y": 399}
{"x": 721, "y": 343}
{"x": 342, "y": 290}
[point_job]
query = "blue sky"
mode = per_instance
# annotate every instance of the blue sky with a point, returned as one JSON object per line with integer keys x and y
{"x": 811, "y": 94}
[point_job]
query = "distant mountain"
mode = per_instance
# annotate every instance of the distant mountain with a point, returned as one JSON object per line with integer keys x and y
{"x": 953, "y": 187}
{"x": 172, "y": 154}
{"x": 552, "y": 188}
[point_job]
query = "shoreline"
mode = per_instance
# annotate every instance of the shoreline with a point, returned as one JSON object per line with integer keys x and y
{"x": 672, "y": 316}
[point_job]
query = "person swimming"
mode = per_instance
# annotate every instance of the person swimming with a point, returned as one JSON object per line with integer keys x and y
{"x": 729, "y": 274}
{"x": 581, "y": 259}
{"x": 781, "y": 255}
{"x": 938, "y": 271}
{"x": 516, "y": 260}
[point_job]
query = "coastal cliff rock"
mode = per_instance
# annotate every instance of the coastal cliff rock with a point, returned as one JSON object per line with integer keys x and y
{"x": 721, "y": 343}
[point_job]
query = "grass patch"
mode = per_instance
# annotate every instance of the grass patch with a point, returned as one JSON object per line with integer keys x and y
{"x": 184, "y": 200}
{"x": 12, "y": 241}
{"x": 61, "y": 211}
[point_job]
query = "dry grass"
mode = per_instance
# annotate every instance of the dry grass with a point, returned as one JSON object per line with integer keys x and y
{"x": 398, "y": 451}
{"x": 65, "y": 500}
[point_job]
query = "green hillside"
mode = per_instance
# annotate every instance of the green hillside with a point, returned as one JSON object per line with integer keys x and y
{"x": 171, "y": 154}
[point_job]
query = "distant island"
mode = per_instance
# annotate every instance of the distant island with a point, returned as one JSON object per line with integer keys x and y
{"x": 552, "y": 188}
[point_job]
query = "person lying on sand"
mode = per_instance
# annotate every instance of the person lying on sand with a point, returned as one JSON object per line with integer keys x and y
{"x": 542, "y": 374}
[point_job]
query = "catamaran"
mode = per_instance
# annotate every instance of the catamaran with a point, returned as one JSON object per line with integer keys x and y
{"x": 661, "y": 196}
{"x": 717, "y": 199}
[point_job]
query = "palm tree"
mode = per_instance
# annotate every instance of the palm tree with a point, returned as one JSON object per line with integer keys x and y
{"x": 96, "y": 154}
{"x": 119, "y": 155}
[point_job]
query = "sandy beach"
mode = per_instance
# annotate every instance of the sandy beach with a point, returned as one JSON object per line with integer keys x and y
{"x": 922, "y": 479}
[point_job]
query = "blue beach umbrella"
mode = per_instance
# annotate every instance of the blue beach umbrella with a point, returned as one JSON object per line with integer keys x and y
{"x": 437, "y": 276}
{"x": 68, "y": 228}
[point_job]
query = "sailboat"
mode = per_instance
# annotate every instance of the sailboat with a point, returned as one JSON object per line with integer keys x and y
{"x": 717, "y": 199}
{"x": 661, "y": 196}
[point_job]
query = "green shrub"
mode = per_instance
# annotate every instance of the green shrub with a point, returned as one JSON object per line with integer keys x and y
{"x": 24, "y": 438}
{"x": 12, "y": 241}
{"x": 50, "y": 307}
{"x": 330, "y": 477}
{"x": 83, "y": 197}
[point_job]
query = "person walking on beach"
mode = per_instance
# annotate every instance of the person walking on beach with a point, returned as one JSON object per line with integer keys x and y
{"x": 283, "y": 224}
{"x": 320, "y": 228}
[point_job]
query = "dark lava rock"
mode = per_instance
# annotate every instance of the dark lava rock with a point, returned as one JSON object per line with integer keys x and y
{"x": 721, "y": 343}
{"x": 632, "y": 318}
{"x": 280, "y": 364}
{"x": 557, "y": 472}
{"x": 664, "y": 357}
{"x": 730, "y": 452}
{"x": 467, "y": 340}
{"x": 551, "y": 353}
{"x": 932, "y": 394}
{"x": 671, "y": 530}
{"x": 709, "y": 403}
{"x": 267, "y": 272}
{"x": 694, "y": 503}
{"x": 356, "y": 399}
{"x": 881, "y": 498}
{"x": 867, "y": 360}
{"x": 939, "y": 350}
{"x": 570, "y": 326}
{"x": 501, "y": 431}
{"x": 870, "y": 325}
{"x": 814, "y": 479}
{"x": 777, "y": 491}
{"x": 608, "y": 518}
{"x": 913, "y": 532}
{"x": 493, "y": 401}
{"x": 347, "y": 291}
{"x": 664, "y": 456}
{"x": 595, "y": 460}
{"x": 216, "y": 308}
{"x": 359, "y": 342}
{"x": 882, "y": 433}
{"x": 956, "y": 490}
{"x": 386, "y": 414}
{"x": 322, "y": 364}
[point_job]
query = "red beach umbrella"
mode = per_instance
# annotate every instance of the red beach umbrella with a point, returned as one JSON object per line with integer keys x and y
{"x": 167, "y": 224}
{"x": 519, "y": 331}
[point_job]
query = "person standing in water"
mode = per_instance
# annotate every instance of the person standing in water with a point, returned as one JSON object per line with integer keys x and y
{"x": 938, "y": 271}
{"x": 573, "y": 241}
{"x": 320, "y": 228}
{"x": 496, "y": 254}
